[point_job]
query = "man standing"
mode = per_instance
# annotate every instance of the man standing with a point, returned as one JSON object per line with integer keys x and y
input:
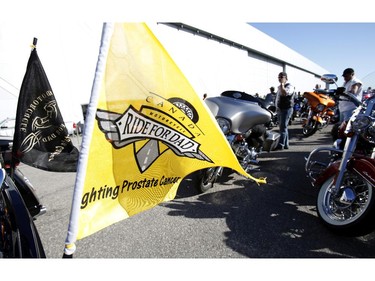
{"x": 284, "y": 106}
{"x": 354, "y": 86}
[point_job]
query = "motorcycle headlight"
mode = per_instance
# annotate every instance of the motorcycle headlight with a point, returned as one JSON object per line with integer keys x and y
{"x": 320, "y": 107}
{"x": 224, "y": 125}
{"x": 361, "y": 122}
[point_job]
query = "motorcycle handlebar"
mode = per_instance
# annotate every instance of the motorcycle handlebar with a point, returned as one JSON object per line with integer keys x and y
{"x": 351, "y": 97}
{"x": 321, "y": 91}
{"x": 337, "y": 93}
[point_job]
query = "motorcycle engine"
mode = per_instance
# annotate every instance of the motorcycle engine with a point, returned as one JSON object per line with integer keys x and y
{"x": 242, "y": 150}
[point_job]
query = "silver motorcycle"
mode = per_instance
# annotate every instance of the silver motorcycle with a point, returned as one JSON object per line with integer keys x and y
{"x": 245, "y": 123}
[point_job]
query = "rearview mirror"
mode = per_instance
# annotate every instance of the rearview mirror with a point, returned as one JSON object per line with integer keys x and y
{"x": 329, "y": 78}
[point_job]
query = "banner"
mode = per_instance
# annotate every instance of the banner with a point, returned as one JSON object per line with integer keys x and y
{"x": 148, "y": 129}
{"x": 41, "y": 138}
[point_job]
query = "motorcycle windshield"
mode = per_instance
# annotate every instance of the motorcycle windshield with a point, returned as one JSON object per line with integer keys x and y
{"x": 367, "y": 108}
{"x": 243, "y": 115}
{"x": 369, "y": 102}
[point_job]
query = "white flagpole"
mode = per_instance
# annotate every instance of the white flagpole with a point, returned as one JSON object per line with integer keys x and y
{"x": 86, "y": 141}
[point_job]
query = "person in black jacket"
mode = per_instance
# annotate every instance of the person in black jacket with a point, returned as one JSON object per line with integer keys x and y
{"x": 284, "y": 106}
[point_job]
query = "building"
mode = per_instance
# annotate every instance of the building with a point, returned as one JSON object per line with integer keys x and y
{"x": 235, "y": 56}
{"x": 214, "y": 56}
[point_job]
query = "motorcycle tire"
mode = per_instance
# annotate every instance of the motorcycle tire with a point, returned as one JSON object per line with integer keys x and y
{"x": 310, "y": 128}
{"x": 208, "y": 178}
{"x": 354, "y": 216}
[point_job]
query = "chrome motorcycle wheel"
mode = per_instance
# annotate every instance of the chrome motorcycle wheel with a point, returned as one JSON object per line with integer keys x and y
{"x": 208, "y": 179}
{"x": 351, "y": 211}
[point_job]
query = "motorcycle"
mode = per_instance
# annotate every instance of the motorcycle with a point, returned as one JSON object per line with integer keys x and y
{"x": 304, "y": 110}
{"x": 244, "y": 121}
{"x": 268, "y": 105}
{"x": 320, "y": 111}
{"x": 19, "y": 207}
{"x": 297, "y": 108}
{"x": 346, "y": 197}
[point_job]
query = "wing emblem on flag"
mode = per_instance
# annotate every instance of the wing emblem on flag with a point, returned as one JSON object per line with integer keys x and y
{"x": 133, "y": 126}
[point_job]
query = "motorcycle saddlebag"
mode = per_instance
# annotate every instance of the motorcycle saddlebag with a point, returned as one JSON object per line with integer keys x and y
{"x": 271, "y": 141}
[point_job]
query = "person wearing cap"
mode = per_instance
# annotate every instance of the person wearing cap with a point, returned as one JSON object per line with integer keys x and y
{"x": 284, "y": 106}
{"x": 354, "y": 86}
{"x": 271, "y": 96}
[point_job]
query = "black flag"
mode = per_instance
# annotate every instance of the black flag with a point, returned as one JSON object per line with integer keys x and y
{"x": 41, "y": 138}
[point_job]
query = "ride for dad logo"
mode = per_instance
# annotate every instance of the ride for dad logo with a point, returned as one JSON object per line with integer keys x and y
{"x": 158, "y": 120}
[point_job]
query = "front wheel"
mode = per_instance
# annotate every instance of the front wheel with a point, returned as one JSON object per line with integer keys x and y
{"x": 208, "y": 178}
{"x": 310, "y": 127}
{"x": 351, "y": 211}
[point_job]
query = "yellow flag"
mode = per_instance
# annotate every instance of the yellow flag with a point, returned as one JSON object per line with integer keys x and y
{"x": 151, "y": 130}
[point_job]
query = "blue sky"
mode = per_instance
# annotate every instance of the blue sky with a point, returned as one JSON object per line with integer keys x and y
{"x": 334, "y": 46}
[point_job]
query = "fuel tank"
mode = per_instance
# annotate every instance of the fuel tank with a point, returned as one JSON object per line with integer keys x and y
{"x": 243, "y": 115}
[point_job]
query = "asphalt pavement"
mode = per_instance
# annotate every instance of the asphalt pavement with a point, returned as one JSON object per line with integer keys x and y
{"x": 235, "y": 219}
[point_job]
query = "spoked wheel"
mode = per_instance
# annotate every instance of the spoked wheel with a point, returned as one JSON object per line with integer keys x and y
{"x": 208, "y": 179}
{"x": 351, "y": 211}
{"x": 310, "y": 128}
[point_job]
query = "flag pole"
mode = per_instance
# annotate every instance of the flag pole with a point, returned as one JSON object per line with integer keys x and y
{"x": 14, "y": 159}
{"x": 71, "y": 238}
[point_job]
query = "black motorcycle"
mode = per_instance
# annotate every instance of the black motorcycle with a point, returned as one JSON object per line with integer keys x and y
{"x": 19, "y": 207}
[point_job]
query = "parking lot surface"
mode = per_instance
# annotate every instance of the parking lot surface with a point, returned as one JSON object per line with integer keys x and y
{"x": 235, "y": 219}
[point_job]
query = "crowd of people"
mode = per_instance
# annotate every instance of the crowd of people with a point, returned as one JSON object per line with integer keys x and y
{"x": 284, "y": 95}
{"x": 283, "y": 99}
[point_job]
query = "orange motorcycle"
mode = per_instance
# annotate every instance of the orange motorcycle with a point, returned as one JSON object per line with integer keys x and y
{"x": 321, "y": 110}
